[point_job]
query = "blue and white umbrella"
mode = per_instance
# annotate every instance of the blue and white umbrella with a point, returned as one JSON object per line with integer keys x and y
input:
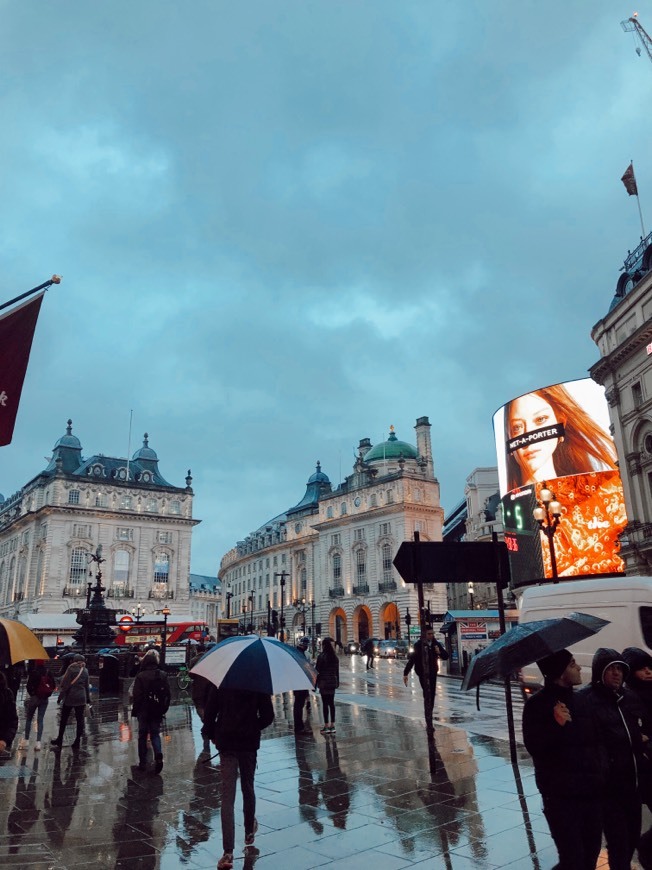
{"x": 257, "y": 664}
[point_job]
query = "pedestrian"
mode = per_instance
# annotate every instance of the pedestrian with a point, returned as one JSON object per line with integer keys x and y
{"x": 233, "y": 720}
{"x": 367, "y": 649}
{"x": 615, "y": 710}
{"x": 151, "y": 701}
{"x": 8, "y": 716}
{"x": 14, "y": 674}
{"x": 639, "y": 681}
{"x": 199, "y": 689}
{"x": 300, "y": 695}
{"x": 74, "y": 694}
{"x": 40, "y": 685}
{"x": 328, "y": 680}
{"x": 434, "y": 652}
{"x": 569, "y": 768}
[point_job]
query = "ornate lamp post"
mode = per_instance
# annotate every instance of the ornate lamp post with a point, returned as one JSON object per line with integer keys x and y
{"x": 251, "y": 614}
{"x": 314, "y": 639}
{"x": 547, "y": 515}
{"x": 138, "y": 612}
{"x": 229, "y": 596}
{"x": 282, "y": 575}
{"x": 471, "y": 591}
{"x": 164, "y": 638}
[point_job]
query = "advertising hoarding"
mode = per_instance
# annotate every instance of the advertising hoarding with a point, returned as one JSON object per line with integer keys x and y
{"x": 558, "y": 437}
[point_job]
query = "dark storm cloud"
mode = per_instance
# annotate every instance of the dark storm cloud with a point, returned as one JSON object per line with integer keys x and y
{"x": 285, "y": 226}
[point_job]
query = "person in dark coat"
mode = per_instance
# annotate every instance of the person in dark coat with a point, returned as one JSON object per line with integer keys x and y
{"x": 40, "y": 685}
{"x": 367, "y": 649}
{"x": 617, "y": 714}
{"x": 639, "y": 681}
{"x": 328, "y": 679}
{"x": 74, "y": 694}
{"x": 234, "y": 720}
{"x": 435, "y": 651}
{"x": 300, "y": 695}
{"x": 569, "y": 766}
{"x": 8, "y": 716}
{"x": 151, "y": 696}
{"x": 199, "y": 689}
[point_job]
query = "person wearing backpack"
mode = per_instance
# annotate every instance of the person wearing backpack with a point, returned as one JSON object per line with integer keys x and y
{"x": 40, "y": 685}
{"x": 151, "y": 702}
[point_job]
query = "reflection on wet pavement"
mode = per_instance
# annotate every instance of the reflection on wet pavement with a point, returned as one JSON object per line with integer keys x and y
{"x": 375, "y": 795}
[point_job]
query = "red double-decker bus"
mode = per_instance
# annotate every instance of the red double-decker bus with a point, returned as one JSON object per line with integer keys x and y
{"x": 150, "y": 629}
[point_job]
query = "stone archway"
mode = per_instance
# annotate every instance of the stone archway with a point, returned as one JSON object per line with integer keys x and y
{"x": 337, "y": 626}
{"x": 363, "y": 624}
{"x": 390, "y": 621}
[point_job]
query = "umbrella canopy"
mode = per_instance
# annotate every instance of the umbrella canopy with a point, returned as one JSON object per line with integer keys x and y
{"x": 257, "y": 664}
{"x": 528, "y": 642}
{"x": 18, "y": 643}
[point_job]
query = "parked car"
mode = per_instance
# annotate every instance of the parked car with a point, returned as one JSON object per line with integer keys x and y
{"x": 352, "y": 648}
{"x": 403, "y": 648}
{"x": 387, "y": 649}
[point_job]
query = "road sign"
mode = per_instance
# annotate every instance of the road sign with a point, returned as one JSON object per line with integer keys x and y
{"x": 457, "y": 562}
{"x": 126, "y": 622}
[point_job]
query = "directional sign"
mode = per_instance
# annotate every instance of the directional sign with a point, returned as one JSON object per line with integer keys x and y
{"x": 457, "y": 562}
{"x": 126, "y": 622}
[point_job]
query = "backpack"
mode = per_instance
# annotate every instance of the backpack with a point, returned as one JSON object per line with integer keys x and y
{"x": 157, "y": 698}
{"x": 45, "y": 686}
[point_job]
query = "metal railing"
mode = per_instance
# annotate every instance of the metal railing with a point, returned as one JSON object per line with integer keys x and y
{"x": 387, "y": 586}
{"x": 336, "y": 592}
{"x": 120, "y": 592}
{"x": 361, "y": 589}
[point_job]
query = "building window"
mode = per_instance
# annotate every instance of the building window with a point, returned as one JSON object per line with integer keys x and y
{"x": 164, "y": 537}
{"x": 43, "y": 531}
{"x": 387, "y": 563}
{"x": 175, "y": 507}
{"x": 161, "y": 568}
{"x": 40, "y": 575}
{"x": 373, "y": 500}
{"x": 343, "y": 508}
{"x": 101, "y": 500}
{"x": 385, "y": 529}
{"x": 637, "y": 394}
{"x": 359, "y": 534}
{"x": 337, "y": 568}
{"x": 329, "y": 513}
{"x": 73, "y": 496}
{"x": 335, "y": 540}
{"x": 301, "y": 556}
{"x": 78, "y": 566}
{"x": 648, "y": 444}
{"x": 121, "y": 566}
{"x": 126, "y": 502}
{"x": 304, "y": 580}
{"x": 361, "y": 566}
{"x": 390, "y": 496}
{"x": 80, "y": 530}
{"x": 123, "y": 534}
{"x": 151, "y": 506}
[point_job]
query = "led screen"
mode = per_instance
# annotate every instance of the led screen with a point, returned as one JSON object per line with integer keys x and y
{"x": 558, "y": 437}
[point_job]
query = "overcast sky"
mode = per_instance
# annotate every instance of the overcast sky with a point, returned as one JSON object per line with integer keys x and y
{"x": 284, "y": 226}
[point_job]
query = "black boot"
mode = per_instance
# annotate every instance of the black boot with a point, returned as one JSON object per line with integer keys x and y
{"x": 158, "y": 763}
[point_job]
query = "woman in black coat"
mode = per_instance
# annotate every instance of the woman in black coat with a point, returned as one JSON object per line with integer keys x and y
{"x": 8, "y": 715}
{"x": 328, "y": 679}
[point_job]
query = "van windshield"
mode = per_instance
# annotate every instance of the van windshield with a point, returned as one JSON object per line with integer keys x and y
{"x": 646, "y": 625}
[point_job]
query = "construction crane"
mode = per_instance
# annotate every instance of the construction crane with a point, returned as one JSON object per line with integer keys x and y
{"x": 634, "y": 25}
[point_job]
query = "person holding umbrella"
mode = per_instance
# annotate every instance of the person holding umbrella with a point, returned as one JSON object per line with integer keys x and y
{"x": 569, "y": 767}
{"x": 8, "y": 716}
{"x": 233, "y": 720}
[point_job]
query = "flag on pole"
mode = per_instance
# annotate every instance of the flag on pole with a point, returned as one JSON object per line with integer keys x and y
{"x": 16, "y": 333}
{"x": 629, "y": 180}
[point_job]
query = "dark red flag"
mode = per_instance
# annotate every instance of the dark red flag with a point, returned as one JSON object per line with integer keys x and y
{"x": 16, "y": 334}
{"x": 629, "y": 180}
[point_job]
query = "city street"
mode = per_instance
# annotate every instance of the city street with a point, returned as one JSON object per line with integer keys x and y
{"x": 375, "y": 794}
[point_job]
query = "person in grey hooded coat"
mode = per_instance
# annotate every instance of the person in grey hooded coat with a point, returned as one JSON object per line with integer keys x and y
{"x": 74, "y": 694}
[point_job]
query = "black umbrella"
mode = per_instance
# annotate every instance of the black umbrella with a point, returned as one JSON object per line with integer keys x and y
{"x": 528, "y": 642}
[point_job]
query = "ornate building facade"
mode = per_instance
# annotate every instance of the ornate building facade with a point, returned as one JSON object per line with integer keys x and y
{"x": 624, "y": 338}
{"x": 325, "y": 565}
{"x": 49, "y": 528}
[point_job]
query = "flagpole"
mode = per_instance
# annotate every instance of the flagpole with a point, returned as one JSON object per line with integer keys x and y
{"x": 638, "y": 201}
{"x": 55, "y": 279}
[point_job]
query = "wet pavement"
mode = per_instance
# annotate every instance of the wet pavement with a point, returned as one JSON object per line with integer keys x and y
{"x": 376, "y": 795}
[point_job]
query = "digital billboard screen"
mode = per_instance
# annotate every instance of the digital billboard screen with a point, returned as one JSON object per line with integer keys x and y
{"x": 558, "y": 437}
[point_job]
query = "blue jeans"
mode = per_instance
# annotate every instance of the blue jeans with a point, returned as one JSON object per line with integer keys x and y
{"x": 147, "y": 725}
{"x": 229, "y": 764}
{"x": 38, "y": 706}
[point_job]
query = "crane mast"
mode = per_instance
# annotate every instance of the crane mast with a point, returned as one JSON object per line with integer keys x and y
{"x": 633, "y": 24}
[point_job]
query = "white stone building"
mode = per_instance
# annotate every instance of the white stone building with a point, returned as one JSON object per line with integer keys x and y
{"x": 327, "y": 561}
{"x": 624, "y": 338}
{"x": 49, "y": 528}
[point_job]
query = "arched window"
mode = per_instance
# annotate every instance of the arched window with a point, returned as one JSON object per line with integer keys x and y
{"x": 161, "y": 568}
{"x": 343, "y": 508}
{"x": 121, "y": 566}
{"x": 78, "y": 565}
{"x": 337, "y": 569}
{"x": 329, "y": 513}
{"x": 387, "y": 563}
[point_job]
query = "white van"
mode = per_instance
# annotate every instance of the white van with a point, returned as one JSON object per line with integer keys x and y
{"x": 625, "y": 601}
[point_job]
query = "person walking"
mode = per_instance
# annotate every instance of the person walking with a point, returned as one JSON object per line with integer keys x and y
{"x": 639, "y": 681}
{"x": 74, "y": 694}
{"x": 569, "y": 768}
{"x": 300, "y": 695}
{"x": 234, "y": 720}
{"x": 40, "y": 685}
{"x": 151, "y": 696}
{"x": 328, "y": 680}
{"x": 367, "y": 649}
{"x": 8, "y": 716}
{"x": 434, "y": 652}
{"x": 616, "y": 712}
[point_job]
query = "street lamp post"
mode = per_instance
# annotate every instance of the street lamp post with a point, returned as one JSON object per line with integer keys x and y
{"x": 138, "y": 612}
{"x": 229, "y": 596}
{"x": 314, "y": 640}
{"x": 251, "y": 616}
{"x": 282, "y": 575}
{"x": 471, "y": 591}
{"x": 164, "y": 638}
{"x": 408, "y": 622}
{"x": 547, "y": 514}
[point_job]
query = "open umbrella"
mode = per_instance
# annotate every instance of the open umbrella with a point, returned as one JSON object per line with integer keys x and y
{"x": 18, "y": 643}
{"x": 528, "y": 642}
{"x": 257, "y": 664}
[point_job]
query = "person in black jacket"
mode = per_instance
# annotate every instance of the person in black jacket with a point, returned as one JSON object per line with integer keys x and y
{"x": 233, "y": 720}
{"x": 8, "y": 716}
{"x": 151, "y": 696}
{"x": 569, "y": 767}
{"x": 617, "y": 714}
{"x": 434, "y": 651}
{"x": 328, "y": 679}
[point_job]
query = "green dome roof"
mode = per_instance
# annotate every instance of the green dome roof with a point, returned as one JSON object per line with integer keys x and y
{"x": 391, "y": 449}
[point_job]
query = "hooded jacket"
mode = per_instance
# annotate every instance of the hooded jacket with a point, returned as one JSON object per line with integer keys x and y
{"x": 233, "y": 720}
{"x": 74, "y": 689}
{"x": 617, "y": 717}
{"x": 149, "y": 675}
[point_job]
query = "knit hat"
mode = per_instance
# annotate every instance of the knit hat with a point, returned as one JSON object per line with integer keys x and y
{"x": 553, "y": 666}
{"x": 636, "y": 658}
